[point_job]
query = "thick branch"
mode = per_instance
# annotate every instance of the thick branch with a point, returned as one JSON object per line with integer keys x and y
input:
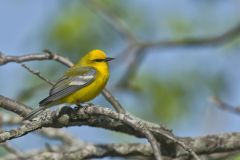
{"x": 87, "y": 116}
{"x": 14, "y": 106}
{"x": 22, "y": 110}
{"x": 91, "y": 151}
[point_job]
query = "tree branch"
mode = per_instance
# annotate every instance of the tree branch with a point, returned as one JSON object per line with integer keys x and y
{"x": 46, "y": 55}
{"x": 37, "y": 73}
{"x": 113, "y": 101}
{"x": 22, "y": 110}
{"x": 91, "y": 151}
{"x": 223, "y": 105}
{"x": 214, "y": 40}
{"x": 14, "y": 106}
{"x": 87, "y": 116}
{"x": 140, "y": 50}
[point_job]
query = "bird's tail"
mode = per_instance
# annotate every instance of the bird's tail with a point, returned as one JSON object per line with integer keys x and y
{"x": 34, "y": 113}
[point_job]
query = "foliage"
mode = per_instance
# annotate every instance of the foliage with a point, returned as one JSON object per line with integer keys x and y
{"x": 173, "y": 98}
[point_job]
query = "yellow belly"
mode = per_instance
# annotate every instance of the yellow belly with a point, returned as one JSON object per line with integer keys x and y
{"x": 87, "y": 93}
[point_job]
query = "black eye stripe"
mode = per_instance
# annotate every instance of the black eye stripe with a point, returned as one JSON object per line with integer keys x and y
{"x": 99, "y": 60}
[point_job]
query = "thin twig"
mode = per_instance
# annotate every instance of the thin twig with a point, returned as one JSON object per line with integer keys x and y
{"x": 223, "y": 105}
{"x": 113, "y": 101}
{"x": 155, "y": 145}
{"x": 214, "y": 40}
{"x": 136, "y": 55}
{"x": 37, "y": 73}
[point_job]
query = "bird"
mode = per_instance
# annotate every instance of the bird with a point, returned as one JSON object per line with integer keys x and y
{"x": 79, "y": 84}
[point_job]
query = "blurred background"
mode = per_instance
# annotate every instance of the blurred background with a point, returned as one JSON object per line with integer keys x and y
{"x": 171, "y": 58}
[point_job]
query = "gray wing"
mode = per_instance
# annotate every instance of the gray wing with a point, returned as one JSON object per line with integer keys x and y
{"x": 69, "y": 84}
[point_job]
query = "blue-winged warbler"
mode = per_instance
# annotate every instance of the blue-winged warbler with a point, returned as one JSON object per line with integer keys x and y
{"x": 80, "y": 83}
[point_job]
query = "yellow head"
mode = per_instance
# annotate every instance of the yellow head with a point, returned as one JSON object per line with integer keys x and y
{"x": 95, "y": 58}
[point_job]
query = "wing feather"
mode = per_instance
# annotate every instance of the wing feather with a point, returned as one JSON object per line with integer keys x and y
{"x": 70, "y": 83}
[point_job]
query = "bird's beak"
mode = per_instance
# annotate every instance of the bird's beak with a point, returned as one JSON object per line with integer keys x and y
{"x": 109, "y": 59}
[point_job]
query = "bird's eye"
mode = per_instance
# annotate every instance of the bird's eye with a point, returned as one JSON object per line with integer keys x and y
{"x": 98, "y": 60}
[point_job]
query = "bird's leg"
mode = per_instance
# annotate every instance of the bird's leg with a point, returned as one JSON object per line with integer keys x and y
{"x": 78, "y": 105}
{"x": 81, "y": 105}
